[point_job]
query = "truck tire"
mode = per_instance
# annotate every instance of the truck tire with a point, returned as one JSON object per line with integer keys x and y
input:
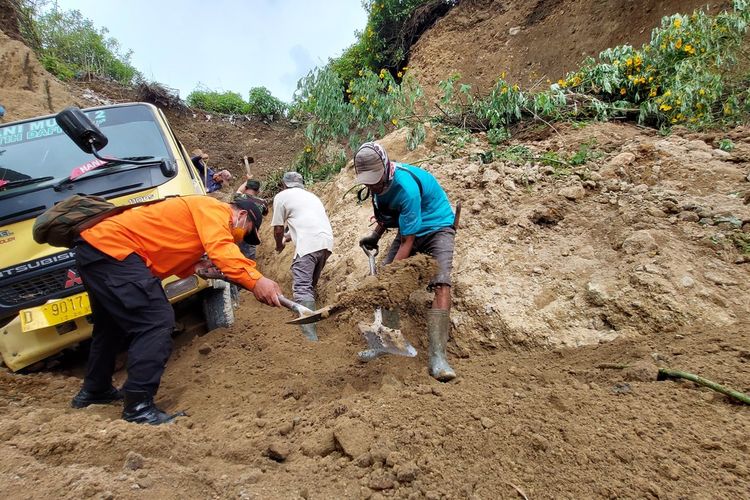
{"x": 217, "y": 307}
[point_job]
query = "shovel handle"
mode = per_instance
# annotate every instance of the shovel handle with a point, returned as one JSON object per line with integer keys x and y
{"x": 371, "y": 257}
{"x": 292, "y": 306}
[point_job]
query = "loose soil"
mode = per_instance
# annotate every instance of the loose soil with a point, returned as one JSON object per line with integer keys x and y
{"x": 571, "y": 287}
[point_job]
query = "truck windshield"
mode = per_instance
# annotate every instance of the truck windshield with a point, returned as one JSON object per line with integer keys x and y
{"x": 38, "y": 150}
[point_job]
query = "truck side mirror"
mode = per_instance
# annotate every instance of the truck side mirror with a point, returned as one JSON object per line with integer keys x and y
{"x": 81, "y": 130}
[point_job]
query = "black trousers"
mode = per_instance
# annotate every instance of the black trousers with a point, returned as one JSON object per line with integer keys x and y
{"x": 129, "y": 307}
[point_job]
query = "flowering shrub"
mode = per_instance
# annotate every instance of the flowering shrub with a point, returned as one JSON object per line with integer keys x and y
{"x": 370, "y": 105}
{"x": 686, "y": 75}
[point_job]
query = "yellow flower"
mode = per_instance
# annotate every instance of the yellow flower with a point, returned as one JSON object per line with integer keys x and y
{"x": 623, "y": 91}
{"x": 677, "y": 23}
{"x": 503, "y": 89}
{"x": 616, "y": 62}
{"x": 667, "y": 93}
{"x": 404, "y": 68}
{"x": 370, "y": 117}
{"x": 394, "y": 122}
{"x": 561, "y": 83}
{"x": 702, "y": 92}
{"x": 390, "y": 88}
{"x": 515, "y": 87}
{"x": 308, "y": 149}
{"x": 363, "y": 99}
{"x": 399, "y": 74}
{"x": 652, "y": 93}
{"x": 502, "y": 75}
{"x": 629, "y": 61}
{"x": 689, "y": 49}
{"x": 678, "y": 43}
{"x": 665, "y": 107}
{"x": 361, "y": 73}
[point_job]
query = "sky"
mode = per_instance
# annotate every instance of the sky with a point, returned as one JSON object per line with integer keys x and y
{"x": 227, "y": 45}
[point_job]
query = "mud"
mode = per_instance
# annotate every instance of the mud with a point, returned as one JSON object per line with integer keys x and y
{"x": 392, "y": 286}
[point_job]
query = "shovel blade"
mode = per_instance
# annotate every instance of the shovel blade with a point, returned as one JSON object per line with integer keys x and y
{"x": 315, "y": 316}
{"x": 383, "y": 340}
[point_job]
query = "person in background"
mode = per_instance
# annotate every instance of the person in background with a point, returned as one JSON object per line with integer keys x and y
{"x": 310, "y": 230}
{"x": 213, "y": 180}
{"x": 250, "y": 190}
{"x": 122, "y": 261}
{"x": 411, "y": 199}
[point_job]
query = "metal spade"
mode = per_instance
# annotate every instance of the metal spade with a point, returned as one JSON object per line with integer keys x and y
{"x": 380, "y": 339}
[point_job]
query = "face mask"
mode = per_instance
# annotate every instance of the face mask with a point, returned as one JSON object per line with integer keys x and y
{"x": 239, "y": 227}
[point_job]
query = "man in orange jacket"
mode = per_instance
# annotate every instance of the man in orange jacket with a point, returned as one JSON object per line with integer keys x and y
{"x": 122, "y": 261}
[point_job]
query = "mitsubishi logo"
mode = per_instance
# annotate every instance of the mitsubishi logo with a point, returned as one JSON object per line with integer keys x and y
{"x": 72, "y": 279}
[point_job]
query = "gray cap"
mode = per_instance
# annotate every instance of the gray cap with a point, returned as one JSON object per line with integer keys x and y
{"x": 293, "y": 180}
{"x": 370, "y": 163}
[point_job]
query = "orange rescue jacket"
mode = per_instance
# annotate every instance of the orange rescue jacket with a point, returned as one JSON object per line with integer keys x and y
{"x": 172, "y": 235}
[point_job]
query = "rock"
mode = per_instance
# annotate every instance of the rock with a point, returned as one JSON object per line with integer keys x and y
{"x": 596, "y": 293}
{"x": 621, "y": 388}
{"x": 720, "y": 154}
{"x": 621, "y": 160}
{"x": 133, "y": 461}
{"x": 487, "y": 422}
{"x": 320, "y": 444}
{"x": 364, "y": 460}
{"x": 406, "y": 473}
{"x": 698, "y": 145}
{"x": 381, "y": 480}
{"x": 641, "y": 371}
{"x": 489, "y": 176}
{"x": 687, "y": 281}
{"x": 509, "y": 184}
{"x": 539, "y": 442}
{"x": 688, "y": 216}
{"x": 573, "y": 192}
{"x": 639, "y": 242}
{"x": 286, "y": 428}
{"x": 278, "y": 451}
{"x": 514, "y": 30}
{"x": 353, "y": 437}
{"x": 204, "y": 349}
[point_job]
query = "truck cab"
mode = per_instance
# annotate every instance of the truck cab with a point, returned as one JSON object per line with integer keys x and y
{"x": 43, "y": 306}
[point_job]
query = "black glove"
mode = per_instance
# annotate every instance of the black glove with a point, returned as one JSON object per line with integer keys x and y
{"x": 370, "y": 241}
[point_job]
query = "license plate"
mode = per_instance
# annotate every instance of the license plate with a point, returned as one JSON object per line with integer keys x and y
{"x": 55, "y": 312}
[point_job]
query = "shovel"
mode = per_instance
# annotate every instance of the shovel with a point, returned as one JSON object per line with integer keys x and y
{"x": 380, "y": 339}
{"x": 305, "y": 314}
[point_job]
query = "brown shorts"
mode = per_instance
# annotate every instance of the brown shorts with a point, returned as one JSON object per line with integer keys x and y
{"x": 439, "y": 245}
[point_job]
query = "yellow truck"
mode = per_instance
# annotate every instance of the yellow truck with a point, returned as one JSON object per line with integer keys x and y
{"x": 43, "y": 306}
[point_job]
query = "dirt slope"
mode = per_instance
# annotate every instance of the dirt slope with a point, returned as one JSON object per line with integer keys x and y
{"x": 26, "y": 89}
{"x": 533, "y": 41}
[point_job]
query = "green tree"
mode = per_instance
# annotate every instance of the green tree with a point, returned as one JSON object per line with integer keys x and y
{"x": 68, "y": 43}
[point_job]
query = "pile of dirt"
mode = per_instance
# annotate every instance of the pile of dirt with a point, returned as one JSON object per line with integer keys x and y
{"x": 532, "y": 42}
{"x": 392, "y": 286}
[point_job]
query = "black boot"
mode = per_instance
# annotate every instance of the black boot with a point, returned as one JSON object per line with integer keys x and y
{"x": 85, "y": 398}
{"x": 140, "y": 409}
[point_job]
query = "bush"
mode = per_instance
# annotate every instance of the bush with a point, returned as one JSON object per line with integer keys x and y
{"x": 68, "y": 44}
{"x": 370, "y": 105}
{"x": 229, "y": 103}
{"x": 262, "y": 103}
{"x": 685, "y": 75}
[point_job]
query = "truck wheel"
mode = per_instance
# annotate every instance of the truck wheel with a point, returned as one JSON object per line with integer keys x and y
{"x": 217, "y": 308}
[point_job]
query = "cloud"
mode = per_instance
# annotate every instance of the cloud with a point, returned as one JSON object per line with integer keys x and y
{"x": 303, "y": 63}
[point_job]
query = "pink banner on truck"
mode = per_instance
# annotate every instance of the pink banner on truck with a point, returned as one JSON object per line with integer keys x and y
{"x": 86, "y": 167}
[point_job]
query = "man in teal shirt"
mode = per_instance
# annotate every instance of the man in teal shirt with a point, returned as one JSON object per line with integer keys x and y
{"x": 411, "y": 199}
